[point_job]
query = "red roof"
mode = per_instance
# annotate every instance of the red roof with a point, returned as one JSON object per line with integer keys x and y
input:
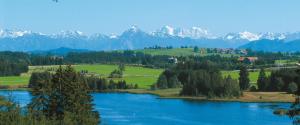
{"x": 251, "y": 59}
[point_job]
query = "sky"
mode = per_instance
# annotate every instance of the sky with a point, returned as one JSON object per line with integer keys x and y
{"x": 115, "y": 16}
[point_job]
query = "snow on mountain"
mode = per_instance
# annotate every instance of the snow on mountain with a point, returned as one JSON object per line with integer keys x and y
{"x": 273, "y": 36}
{"x": 254, "y": 36}
{"x": 164, "y": 31}
{"x": 194, "y": 32}
{"x": 113, "y": 36}
{"x": 69, "y": 34}
{"x": 13, "y": 33}
{"x": 133, "y": 29}
{"x": 249, "y": 36}
{"x": 292, "y": 36}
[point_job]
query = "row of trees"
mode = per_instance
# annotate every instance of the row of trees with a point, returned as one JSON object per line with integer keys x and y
{"x": 126, "y": 57}
{"x": 61, "y": 98}
{"x": 210, "y": 84}
{"x": 198, "y": 79}
{"x": 9, "y": 68}
{"x": 103, "y": 84}
{"x": 15, "y": 63}
{"x": 93, "y": 83}
{"x": 167, "y": 79}
{"x": 280, "y": 80}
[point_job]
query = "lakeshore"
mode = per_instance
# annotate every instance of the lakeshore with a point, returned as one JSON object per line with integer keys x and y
{"x": 246, "y": 97}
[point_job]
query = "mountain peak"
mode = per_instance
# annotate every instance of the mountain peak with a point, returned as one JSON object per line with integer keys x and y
{"x": 69, "y": 34}
{"x": 134, "y": 28}
{"x": 13, "y": 33}
{"x": 194, "y": 32}
{"x": 249, "y": 36}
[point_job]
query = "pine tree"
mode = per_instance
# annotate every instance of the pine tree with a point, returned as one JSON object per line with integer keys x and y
{"x": 262, "y": 80}
{"x": 162, "y": 82}
{"x": 40, "y": 82}
{"x": 67, "y": 96}
{"x": 173, "y": 82}
{"x": 196, "y": 49}
{"x": 244, "y": 81}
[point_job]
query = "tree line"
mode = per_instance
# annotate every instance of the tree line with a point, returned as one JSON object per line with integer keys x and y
{"x": 93, "y": 83}
{"x": 287, "y": 80}
{"x": 15, "y": 63}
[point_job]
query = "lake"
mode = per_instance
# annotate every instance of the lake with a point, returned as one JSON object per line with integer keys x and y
{"x": 145, "y": 109}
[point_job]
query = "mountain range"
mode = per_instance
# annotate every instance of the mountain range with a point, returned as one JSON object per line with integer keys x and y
{"x": 135, "y": 38}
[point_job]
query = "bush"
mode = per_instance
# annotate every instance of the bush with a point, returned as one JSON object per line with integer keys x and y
{"x": 253, "y": 89}
{"x": 292, "y": 88}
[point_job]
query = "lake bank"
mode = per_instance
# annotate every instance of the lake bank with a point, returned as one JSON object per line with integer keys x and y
{"x": 174, "y": 94}
{"x": 246, "y": 97}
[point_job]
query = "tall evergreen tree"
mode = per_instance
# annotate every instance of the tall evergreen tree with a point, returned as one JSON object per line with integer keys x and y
{"x": 162, "y": 82}
{"x": 173, "y": 82}
{"x": 196, "y": 49}
{"x": 244, "y": 81}
{"x": 40, "y": 83}
{"x": 67, "y": 97}
{"x": 262, "y": 80}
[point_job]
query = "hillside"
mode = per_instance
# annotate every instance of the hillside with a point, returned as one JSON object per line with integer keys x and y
{"x": 273, "y": 46}
{"x": 182, "y": 52}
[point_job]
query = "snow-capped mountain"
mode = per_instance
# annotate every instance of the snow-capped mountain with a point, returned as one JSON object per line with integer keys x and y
{"x": 135, "y": 38}
{"x": 273, "y": 36}
{"x": 194, "y": 32}
{"x": 255, "y": 36}
{"x": 69, "y": 34}
{"x": 13, "y": 33}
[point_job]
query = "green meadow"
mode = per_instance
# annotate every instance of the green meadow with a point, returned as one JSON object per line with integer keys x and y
{"x": 144, "y": 77}
{"x": 253, "y": 75}
{"x": 14, "y": 80}
{"x": 180, "y": 52}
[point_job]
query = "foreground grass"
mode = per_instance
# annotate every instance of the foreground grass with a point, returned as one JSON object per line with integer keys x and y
{"x": 246, "y": 97}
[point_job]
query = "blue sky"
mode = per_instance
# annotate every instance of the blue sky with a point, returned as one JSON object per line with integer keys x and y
{"x": 114, "y": 16}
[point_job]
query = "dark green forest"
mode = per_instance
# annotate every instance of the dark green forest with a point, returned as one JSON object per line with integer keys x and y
{"x": 198, "y": 79}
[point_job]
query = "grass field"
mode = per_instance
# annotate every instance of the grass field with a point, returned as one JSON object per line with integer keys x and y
{"x": 253, "y": 75}
{"x": 14, "y": 80}
{"x": 144, "y": 77}
{"x": 179, "y": 52}
{"x": 284, "y": 62}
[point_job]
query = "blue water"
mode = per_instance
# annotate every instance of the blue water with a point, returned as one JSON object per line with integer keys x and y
{"x": 144, "y": 109}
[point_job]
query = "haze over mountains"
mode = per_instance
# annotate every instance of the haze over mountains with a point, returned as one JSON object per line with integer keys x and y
{"x": 135, "y": 38}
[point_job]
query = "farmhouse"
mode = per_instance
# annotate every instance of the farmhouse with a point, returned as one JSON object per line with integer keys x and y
{"x": 251, "y": 59}
{"x": 173, "y": 60}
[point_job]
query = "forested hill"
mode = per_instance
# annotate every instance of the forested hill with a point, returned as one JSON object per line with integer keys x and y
{"x": 62, "y": 51}
{"x": 273, "y": 46}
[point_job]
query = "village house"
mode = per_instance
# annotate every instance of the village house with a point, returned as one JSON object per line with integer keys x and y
{"x": 251, "y": 59}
